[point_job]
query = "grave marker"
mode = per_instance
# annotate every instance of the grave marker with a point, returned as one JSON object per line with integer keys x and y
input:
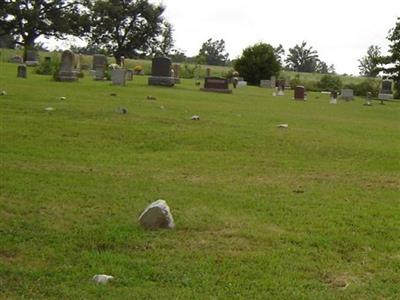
{"x": 67, "y": 72}
{"x": 216, "y": 84}
{"x": 161, "y": 72}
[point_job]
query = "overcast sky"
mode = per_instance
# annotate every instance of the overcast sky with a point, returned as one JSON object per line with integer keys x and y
{"x": 340, "y": 30}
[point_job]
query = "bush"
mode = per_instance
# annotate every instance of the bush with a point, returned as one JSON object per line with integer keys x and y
{"x": 330, "y": 83}
{"x": 361, "y": 89}
{"x": 48, "y": 68}
{"x": 258, "y": 62}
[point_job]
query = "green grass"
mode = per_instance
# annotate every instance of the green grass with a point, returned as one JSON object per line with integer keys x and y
{"x": 260, "y": 212}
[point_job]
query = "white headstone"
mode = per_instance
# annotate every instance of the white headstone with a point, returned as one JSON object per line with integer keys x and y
{"x": 157, "y": 215}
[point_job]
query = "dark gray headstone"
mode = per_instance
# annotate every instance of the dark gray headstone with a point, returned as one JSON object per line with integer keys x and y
{"x": 161, "y": 66}
{"x": 161, "y": 72}
{"x": 21, "y": 71}
{"x": 31, "y": 58}
{"x": 216, "y": 84}
{"x": 386, "y": 91}
{"x": 99, "y": 61}
{"x": 67, "y": 72}
{"x": 299, "y": 93}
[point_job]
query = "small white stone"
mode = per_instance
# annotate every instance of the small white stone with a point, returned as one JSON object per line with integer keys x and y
{"x": 63, "y": 98}
{"x": 102, "y": 279}
{"x": 195, "y": 118}
{"x": 157, "y": 215}
{"x": 3, "y": 93}
{"x": 49, "y": 109}
{"x": 282, "y": 126}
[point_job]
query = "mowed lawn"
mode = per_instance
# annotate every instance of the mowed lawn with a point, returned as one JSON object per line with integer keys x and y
{"x": 308, "y": 212}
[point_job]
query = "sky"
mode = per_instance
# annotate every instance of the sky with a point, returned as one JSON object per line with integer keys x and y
{"x": 340, "y": 30}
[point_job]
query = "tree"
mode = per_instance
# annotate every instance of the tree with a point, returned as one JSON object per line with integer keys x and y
{"x": 26, "y": 20}
{"x": 258, "y": 62}
{"x": 279, "y": 53}
{"x": 302, "y": 59}
{"x": 162, "y": 45}
{"x": 369, "y": 64}
{"x": 126, "y": 27}
{"x": 214, "y": 52}
{"x": 392, "y": 61}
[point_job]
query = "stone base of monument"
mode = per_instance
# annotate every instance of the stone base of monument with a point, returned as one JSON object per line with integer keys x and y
{"x": 224, "y": 91}
{"x": 161, "y": 81}
{"x": 67, "y": 76}
{"x": 32, "y": 63}
{"x": 385, "y": 96}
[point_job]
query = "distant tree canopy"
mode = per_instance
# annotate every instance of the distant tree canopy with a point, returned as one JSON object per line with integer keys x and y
{"x": 369, "y": 64}
{"x": 391, "y": 62}
{"x": 305, "y": 59}
{"x": 26, "y": 20}
{"x": 126, "y": 27}
{"x": 213, "y": 53}
{"x": 258, "y": 62}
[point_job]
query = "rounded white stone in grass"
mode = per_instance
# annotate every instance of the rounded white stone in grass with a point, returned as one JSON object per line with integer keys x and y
{"x": 102, "y": 278}
{"x": 282, "y": 126}
{"x": 49, "y": 109}
{"x": 156, "y": 216}
{"x": 63, "y": 98}
{"x": 3, "y": 93}
{"x": 195, "y": 118}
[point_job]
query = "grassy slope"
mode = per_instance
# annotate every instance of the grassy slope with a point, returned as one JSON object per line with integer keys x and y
{"x": 74, "y": 181}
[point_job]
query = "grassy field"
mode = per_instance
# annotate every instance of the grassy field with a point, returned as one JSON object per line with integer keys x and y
{"x": 308, "y": 212}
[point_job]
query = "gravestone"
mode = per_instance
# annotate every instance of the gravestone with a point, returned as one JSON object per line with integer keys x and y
{"x": 216, "y": 84}
{"x": 157, "y": 216}
{"x": 281, "y": 87}
{"x": 129, "y": 75}
{"x": 176, "y": 69}
{"x": 118, "y": 76}
{"x": 347, "y": 94}
{"x": 31, "y": 58}
{"x": 16, "y": 59}
{"x": 99, "y": 66}
{"x": 273, "y": 82}
{"x": 265, "y": 83}
{"x": 333, "y": 97}
{"x": 299, "y": 93}
{"x": 241, "y": 84}
{"x": 67, "y": 72}
{"x": 21, "y": 71}
{"x": 161, "y": 72}
{"x": 386, "y": 91}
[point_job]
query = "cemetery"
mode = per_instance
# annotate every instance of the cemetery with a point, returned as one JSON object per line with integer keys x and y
{"x": 137, "y": 175}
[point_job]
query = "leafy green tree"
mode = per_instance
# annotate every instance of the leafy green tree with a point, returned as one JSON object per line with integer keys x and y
{"x": 279, "y": 53}
{"x": 302, "y": 58}
{"x": 214, "y": 52}
{"x": 258, "y": 62}
{"x": 369, "y": 64}
{"x": 26, "y": 20}
{"x": 163, "y": 44}
{"x": 392, "y": 61}
{"x": 126, "y": 27}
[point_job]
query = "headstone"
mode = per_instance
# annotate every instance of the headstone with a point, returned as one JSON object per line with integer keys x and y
{"x": 161, "y": 72}
{"x": 208, "y": 72}
{"x": 122, "y": 64}
{"x": 299, "y": 93}
{"x": 273, "y": 81}
{"x": 347, "y": 94}
{"x": 241, "y": 84}
{"x": 368, "y": 99}
{"x": 118, "y": 76}
{"x": 216, "y": 84}
{"x": 333, "y": 97}
{"x": 386, "y": 91}
{"x": 129, "y": 75}
{"x": 16, "y": 59}
{"x": 176, "y": 69}
{"x": 156, "y": 216}
{"x": 21, "y": 71}
{"x": 67, "y": 72}
{"x": 265, "y": 83}
{"x": 31, "y": 58}
{"x": 99, "y": 66}
{"x": 281, "y": 87}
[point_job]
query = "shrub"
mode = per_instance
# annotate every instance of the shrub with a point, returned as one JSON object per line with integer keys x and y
{"x": 258, "y": 62}
{"x": 361, "y": 89}
{"x": 330, "y": 82}
{"x": 48, "y": 68}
